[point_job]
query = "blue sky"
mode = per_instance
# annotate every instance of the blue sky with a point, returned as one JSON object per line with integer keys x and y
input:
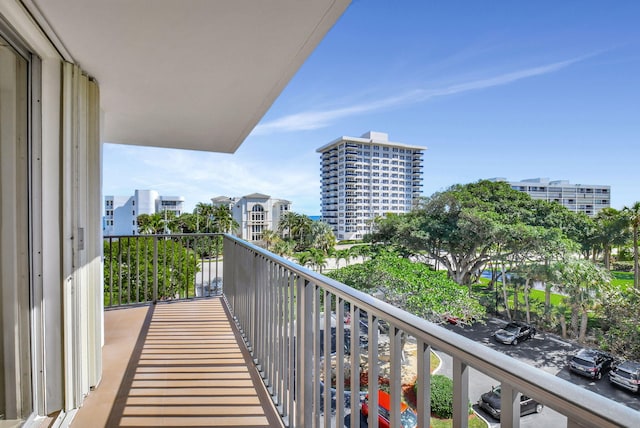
{"x": 492, "y": 89}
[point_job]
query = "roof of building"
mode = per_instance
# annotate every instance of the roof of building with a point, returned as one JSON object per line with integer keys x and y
{"x": 371, "y": 137}
{"x": 257, "y": 196}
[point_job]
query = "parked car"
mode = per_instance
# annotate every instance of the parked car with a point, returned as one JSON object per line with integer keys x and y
{"x": 490, "y": 402}
{"x": 626, "y": 375}
{"x": 514, "y": 332}
{"x": 591, "y": 363}
{"x": 408, "y": 418}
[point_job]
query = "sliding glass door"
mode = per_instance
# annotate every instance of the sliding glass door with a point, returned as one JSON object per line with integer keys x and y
{"x": 15, "y": 346}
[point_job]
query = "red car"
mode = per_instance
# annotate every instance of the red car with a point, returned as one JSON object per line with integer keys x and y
{"x": 408, "y": 418}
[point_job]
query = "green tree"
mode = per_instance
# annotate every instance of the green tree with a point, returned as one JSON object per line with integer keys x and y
{"x": 129, "y": 269}
{"x": 223, "y": 221}
{"x": 411, "y": 286}
{"x": 583, "y": 283}
{"x": 283, "y": 248}
{"x": 203, "y": 213}
{"x": 150, "y": 224}
{"x": 321, "y": 236}
{"x": 633, "y": 216}
{"x": 304, "y": 258}
{"x": 296, "y": 227}
{"x": 164, "y": 222}
{"x": 620, "y": 312}
{"x": 343, "y": 254}
{"x": 611, "y": 230}
{"x": 318, "y": 259}
{"x": 269, "y": 237}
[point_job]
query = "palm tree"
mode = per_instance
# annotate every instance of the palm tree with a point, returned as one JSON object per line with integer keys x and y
{"x": 322, "y": 236}
{"x": 304, "y": 258}
{"x": 269, "y": 237}
{"x": 343, "y": 254}
{"x": 582, "y": 282}
{"x": 150, "y": 224}
{"x": 633, "y": 216}
{"x": 204, "y": 217}
{"x": 287, "y": 224}
{"x": 318, "y": 258}
{"x": 283, "y": 248}
{"x": 223, "y": 221}
{"x": 295, "y": 226}
{"x": 612, "y": 231}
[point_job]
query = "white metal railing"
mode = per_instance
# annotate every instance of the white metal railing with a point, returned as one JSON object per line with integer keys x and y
{"x": 280, "y": 306}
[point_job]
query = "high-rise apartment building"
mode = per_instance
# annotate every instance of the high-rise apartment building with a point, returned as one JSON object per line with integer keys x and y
{"x": 365, "y": 177}
{"x": 584, "y": 198}
{"x": 121, "y": 212}
{"x": 254, "y": 213}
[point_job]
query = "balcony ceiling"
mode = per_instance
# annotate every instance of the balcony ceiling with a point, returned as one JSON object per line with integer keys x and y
{"x": 191, "y": 74}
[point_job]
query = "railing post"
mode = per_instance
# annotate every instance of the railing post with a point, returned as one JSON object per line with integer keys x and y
{"x": 509, "y": 406}
{"x": 303, "y": 351}
{"x": 460, "y": 393}
{"x": 155, "y": 269}
{"x": 424, "y": 384}
{"x": 395, "y": 337}
{"x": 374, "y": 373}
{"x": 355, "y": 365}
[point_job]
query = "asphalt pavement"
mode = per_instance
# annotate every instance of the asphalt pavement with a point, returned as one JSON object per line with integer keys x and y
{"x": 545, "y": 351}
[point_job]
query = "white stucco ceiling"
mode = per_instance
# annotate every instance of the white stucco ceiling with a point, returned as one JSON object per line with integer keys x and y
{"x": 192, "y": 74}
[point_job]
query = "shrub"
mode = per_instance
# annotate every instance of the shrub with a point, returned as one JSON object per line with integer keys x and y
{"x": 441, "y": 396}
{"x": 622, "y": 266}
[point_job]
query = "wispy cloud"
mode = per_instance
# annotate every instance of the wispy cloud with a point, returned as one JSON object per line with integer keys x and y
{"x": 310, "y": 120}
{"x": 200, "y": 176}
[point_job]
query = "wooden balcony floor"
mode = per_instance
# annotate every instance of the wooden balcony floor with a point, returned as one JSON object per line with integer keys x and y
{"x": 179, "y": 364}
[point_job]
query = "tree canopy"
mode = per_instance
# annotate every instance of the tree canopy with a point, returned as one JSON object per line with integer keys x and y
{"x": 411, "y": 286}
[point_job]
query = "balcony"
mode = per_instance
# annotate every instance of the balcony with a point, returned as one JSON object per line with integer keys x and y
{"x": 210, "y": 352}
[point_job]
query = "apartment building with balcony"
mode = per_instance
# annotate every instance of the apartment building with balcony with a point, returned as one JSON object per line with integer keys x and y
{"x": 581, "y": 198}
{"x": 254, "y": 213}
{"x": 75, "y": 74}
{"x": 121, "y": 212}
{"x": 365, "y": 177}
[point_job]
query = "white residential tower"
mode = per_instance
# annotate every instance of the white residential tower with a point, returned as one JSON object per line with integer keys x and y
{"x": 365, "y": 177}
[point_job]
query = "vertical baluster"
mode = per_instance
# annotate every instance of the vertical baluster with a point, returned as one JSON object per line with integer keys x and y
{"x": 374, "y": 371}
{"x": 460, "y": 393}
{"x": 424, "y": 384}
{"x": 395, "y": 349}
{"x": 355, "y": 366}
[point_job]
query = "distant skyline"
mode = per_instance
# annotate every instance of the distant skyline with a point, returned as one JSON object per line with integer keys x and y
{"x": 493, "y": 89}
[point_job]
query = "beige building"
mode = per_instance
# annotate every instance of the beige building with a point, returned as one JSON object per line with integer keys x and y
{"x": 254, "y": 213}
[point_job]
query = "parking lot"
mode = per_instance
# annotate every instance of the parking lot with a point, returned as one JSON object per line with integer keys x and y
{"x": 545, "y": 351}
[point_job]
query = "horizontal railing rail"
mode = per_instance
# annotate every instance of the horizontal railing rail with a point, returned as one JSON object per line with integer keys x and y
{"x": 147, "y": 268}
{"x": 284, "y": 310}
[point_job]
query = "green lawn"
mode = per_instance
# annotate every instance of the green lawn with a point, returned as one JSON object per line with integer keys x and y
{"x": 474, "y": 422}
{"x": 622, "y": 280}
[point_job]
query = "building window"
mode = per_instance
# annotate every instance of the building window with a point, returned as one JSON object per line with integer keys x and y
{"x": 257, "y": 213}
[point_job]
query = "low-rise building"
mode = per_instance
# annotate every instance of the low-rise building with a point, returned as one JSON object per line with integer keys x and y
{"x": 121, "y": 212}
{"x": 584, "y": 198}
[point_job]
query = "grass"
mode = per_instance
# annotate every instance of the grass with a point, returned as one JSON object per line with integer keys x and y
{"x": 474, "y": 422}
{"x": 622, "y": 280}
